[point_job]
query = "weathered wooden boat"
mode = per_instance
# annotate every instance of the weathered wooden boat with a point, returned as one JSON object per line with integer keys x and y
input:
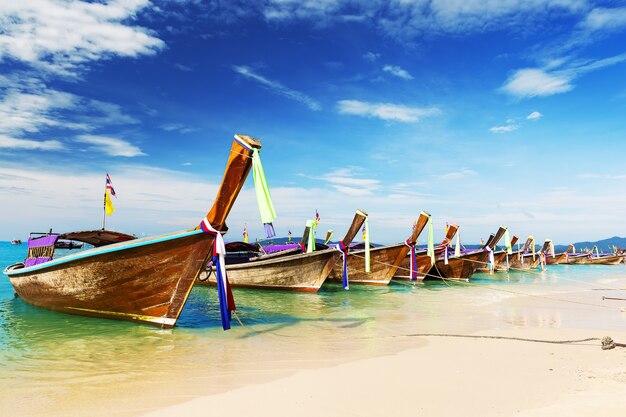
{"x": 577, "y": 258}
{"x": 525, "y": 260}
{"x": 385, "y": 260}
{"x": 559, "y": 257}
{"x": 501, "y": 257}
{"x": 292, "y": 271}
{"x": 606, "y": 260}
{"x": 464, "y": 265}
{"x": 143, "y": 280}
{"x": 422, "y": 260}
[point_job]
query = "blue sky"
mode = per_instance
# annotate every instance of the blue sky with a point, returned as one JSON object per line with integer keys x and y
{"x": 479, "y": 112}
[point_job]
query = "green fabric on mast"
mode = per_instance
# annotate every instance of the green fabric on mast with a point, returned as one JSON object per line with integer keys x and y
{"x": 431, "y": 242}
{"x": 262, "y": 190}
{"x": 310, "y": 244}
{"x": 329, "y": 236}
{"x": 507, "y": 242}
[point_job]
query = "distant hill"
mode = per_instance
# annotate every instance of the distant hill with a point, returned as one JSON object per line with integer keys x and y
{"x": 604, "y": 244}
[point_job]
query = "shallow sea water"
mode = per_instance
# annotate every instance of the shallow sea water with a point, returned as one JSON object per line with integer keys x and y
{"x": 57, "y": 364}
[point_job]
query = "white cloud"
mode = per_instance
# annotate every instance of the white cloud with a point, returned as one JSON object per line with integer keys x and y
{"x": 62, "y": 35}
{"x": 371, "y": 56}
{"x": 456, "y": 175}
{"x": 404, "y": 19}
{"x": 605, "y": 19}
{"x": 398, "y": 72}
{"x": 110, "y": 146}
{"x": 503, "y": 129}
{"x": 533, "y": 82}
{"x": 28, "y": 112}
{"x": 386, "y": 111}
{"x": 277, "y": 87}
{"x": 344, "y": 181}
{"x": 534, "y": 116}
{"x": 7, "y": 142}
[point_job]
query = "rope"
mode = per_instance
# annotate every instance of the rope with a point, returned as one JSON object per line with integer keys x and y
{"x": 520, "y": 339}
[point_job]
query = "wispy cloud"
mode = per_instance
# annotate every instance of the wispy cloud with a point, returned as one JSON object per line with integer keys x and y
{"x": 457, "y": 175}
{"x": 398, "y": 72}
{"x": 533, "y": 82}
{"x": 407, "y": 19}
{"x": 177, "y": 127}
{"x": 110, "y": 146}
{"x": 534, "y": 116}
{"x": 277, "y": 87}
{"x": 371, "y": 56}
{"x": 386, "y": 111}
{"x": 345, "y": 181}
{"x": 7, "y": 142}
{"x": 61, "y": 37}
{"x": 504, "y": 128}
{"x": 602, "y": 18}
{"x": 555, "y": 78}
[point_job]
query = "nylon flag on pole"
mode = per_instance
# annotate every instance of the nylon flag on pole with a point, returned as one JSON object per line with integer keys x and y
{"x": 108, "y": 204}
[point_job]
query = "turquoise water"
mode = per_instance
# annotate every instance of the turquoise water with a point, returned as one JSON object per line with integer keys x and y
{"x": 57, "y": 364}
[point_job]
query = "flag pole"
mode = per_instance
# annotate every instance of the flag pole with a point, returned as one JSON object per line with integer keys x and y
{"x": 104, "y": 205}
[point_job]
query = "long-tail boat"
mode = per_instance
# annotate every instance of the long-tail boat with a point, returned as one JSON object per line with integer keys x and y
{"x": 464, "y": 265}
{"x": 385, "y": 260}
{"x": 604, "y": 258}
{"x": 559, "y": 257}
{"x": 423, "y": 262}
{"x": 501, "y": 257}
{"x": 143, "y": 280}
{"x": 577, "y": 258}
{"x": 526, "y": 259}
{"x": 300, "y": 271}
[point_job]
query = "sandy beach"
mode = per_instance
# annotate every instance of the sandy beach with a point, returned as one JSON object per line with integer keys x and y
{"x": 446, "y": 377}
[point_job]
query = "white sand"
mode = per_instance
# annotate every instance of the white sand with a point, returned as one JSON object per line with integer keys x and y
{"x": 447, "y": 377}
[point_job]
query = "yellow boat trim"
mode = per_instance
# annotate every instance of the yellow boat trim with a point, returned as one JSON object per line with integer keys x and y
{"x": 138, "y": 317}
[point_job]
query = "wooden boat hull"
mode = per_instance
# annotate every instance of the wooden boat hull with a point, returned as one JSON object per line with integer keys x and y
{"x": 383, "y": 266}
{"x": 515, "y": 262}
{"x": 460, "y": 267}
{"x": 559, "y": 258}
{"x": 577, "y": 260}
{"x": 423, "y": 267}
{"x": 606, "y": 260}
{"x": 158, "y": 275}
{"x": 300, "y": 272}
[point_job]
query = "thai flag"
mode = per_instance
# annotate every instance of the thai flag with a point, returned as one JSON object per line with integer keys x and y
{"x": 109, "y": 186}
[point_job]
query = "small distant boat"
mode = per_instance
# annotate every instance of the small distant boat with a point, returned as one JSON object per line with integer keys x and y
{"x": 288, "y": 269}
{"x": 464, "y": 265}
{"x": 385, "y": 260}
{"x": 143, "y": 280}
{"x": 16, "y": 242}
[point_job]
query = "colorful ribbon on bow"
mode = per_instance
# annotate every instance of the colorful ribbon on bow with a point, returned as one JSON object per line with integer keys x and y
{"x": 413, "y": 273}
{"x": 344, "y": 254}
{"x": 224, "y": 293}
